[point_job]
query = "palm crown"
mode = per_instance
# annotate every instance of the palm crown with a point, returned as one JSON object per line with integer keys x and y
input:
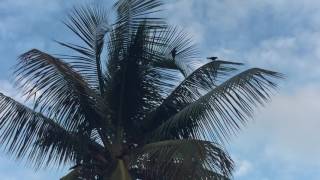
{"x": 147, "y": 110}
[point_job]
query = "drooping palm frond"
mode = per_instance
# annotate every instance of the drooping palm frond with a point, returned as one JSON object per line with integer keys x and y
{"x": 90, "y": 24}
{"x": 28, "y": 134}
{"x": 188, "y": 158}
{"x": 62, "y": 92}
{"x": 219, "y": 113}
{"x": 199, "y": 82}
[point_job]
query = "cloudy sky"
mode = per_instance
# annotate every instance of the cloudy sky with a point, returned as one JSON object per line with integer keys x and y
{"x": 281, "y": 143}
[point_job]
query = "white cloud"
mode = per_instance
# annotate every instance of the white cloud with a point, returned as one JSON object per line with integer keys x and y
{"x": 185, "y": 9}
{"x": 292, "y": 122}
{"x": 265, "y": 34}
{"x": 8, "y": 89}
{"x": 283, "y": 140}
{"x": 269, "y": 34}
{"x": 262, "y": 33}
{"x": 293, "y": 55}
{"x": 243, "y": 168}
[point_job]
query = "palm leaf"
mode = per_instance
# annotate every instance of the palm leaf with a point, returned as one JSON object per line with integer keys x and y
{"x": 144, "y": 113}
{"x": 26, "y": 133}
{"x": 173, "y": 38}
{"x": 131, "y": 13}
{"x": 62, "y": 93}
{"x": 90, "y": 25}
{"x": 219, "y": 113}
{"x": 134, "y": 85}
{"x": 192, "y": 159}
{"x": 73, "y": 175}
{"x": 202, "y": 80}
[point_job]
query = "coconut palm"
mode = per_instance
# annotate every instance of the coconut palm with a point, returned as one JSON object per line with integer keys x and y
{"x": 131, "y": 101}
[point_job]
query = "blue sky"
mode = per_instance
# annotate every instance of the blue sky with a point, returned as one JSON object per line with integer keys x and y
{"x": 281, "y": 143}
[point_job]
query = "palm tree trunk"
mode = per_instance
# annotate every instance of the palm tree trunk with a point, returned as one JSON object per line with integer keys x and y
{"x": 121, "y": 172}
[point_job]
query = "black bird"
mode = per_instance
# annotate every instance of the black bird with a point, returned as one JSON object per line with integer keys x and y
{"x": 174, "y": 53}
{"x": 212, "y": 58}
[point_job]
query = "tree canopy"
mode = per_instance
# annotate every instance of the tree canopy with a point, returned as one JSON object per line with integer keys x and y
{"x": 132, "y": 101}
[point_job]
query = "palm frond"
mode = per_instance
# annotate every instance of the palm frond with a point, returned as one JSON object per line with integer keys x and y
{"x": 172, "y": 38}
{"x": 192, "y": 159}
{"x": 87, "y": 170}
{"x": 59, "y": 92}
{"x": 131, "y": 13}
{"x": 199, "y": 82}
{"x": 90, "y": 25}
{"x": 28, "y": 134}
{"x": 134, "y": 86}
{"x": 75, "y": 174}
{"x": 154, "y": 52}
{"x": 222, "y": 111}
{"x": 151, "y": 110}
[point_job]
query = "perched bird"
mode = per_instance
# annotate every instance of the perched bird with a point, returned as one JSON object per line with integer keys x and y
{"x": 212, "y": 58}
{"x": 174, "y": 53}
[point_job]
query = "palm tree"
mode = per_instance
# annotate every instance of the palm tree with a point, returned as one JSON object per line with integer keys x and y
{"x": 148, "y": 109}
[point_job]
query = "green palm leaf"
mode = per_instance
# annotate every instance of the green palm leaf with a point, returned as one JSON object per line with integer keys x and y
{"x": 26, "y": 133}
{"x": 189, "y": 158}
{"x": 219, "y": 113}
{"x": 173, "y": 38}
{"x": 131, "y": 13}
{"x": 90, "y": 24}
{"x": 150, "y": 110}
{"x": 63, "y": 94}
{"x": 73, "y": 175}
{"x": 202, "y": 80}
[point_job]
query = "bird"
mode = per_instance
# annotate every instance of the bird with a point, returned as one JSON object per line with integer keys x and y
{"x": 174, "y": 53}
{"x": 212, "y": 58}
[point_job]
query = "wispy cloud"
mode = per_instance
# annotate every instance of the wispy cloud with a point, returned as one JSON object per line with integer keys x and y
{"x": 281, "y": 35}
{"x": 277, "y": 34}
{"x": 7, "y": 89}
{"x": 284, "y": 138}
{"x": 243, "y": 168}
{"x": 260, "y": 33}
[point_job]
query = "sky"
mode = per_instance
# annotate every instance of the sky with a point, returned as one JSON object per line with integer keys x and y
{"x": 281, "y": 142}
